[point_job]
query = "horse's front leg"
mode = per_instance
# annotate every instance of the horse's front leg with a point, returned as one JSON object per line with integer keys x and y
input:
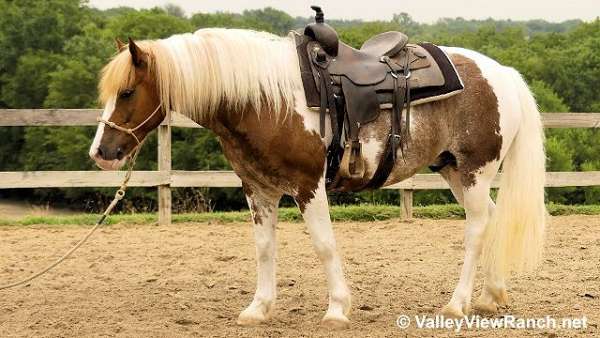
{"x": 264, "y": 215}
{"x": 316, "y": 215}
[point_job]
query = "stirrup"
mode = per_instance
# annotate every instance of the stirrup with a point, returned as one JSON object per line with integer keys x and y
{"x": 352, "y": 165}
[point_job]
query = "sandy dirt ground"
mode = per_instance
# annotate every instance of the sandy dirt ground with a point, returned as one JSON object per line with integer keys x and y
{"x": 15, "y": 209}
{"x": 194, "y": 279}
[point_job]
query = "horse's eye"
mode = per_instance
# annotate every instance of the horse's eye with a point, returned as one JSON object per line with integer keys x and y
{"x": 126, "y": 93}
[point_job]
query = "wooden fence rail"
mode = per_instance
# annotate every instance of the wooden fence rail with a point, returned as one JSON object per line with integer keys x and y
{"x": 165, "y": 178}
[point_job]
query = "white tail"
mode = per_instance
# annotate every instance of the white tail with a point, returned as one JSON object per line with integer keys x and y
{"x": 515, "y": 235}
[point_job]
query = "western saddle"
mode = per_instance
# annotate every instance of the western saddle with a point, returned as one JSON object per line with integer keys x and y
{"x": 352, "y": 85}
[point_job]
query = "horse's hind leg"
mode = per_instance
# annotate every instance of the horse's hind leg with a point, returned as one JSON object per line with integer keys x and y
{"x": 493, "y": 293}
{"x": 264, "y": 215}
{"x": 475, "y": 199}
{"x": 494, "y": 289}
{"x": 316, "y": 216}
{"x": 452, "y": 177}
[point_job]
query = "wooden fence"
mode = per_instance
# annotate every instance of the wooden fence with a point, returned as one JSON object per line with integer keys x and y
{"x": 165, "y": 178}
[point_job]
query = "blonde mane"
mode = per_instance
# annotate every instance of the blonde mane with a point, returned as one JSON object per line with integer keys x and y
{"x": 198, "y": 73}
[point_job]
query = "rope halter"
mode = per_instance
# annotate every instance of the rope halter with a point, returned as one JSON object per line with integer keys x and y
{"x": 130, "y": 131}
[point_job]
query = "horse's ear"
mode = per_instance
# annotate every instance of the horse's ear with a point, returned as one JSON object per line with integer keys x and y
{"x": 136, "y": 53}
{"x": 120, "y": 44}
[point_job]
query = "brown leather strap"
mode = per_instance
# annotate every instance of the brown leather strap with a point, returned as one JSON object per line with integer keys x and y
{"x": 406, "y": 78}
{"x": 396, "y": 140}
{"x": 335, "y": 150}
{"x": 323, "y": 105}
{"x": 388, "y": 158}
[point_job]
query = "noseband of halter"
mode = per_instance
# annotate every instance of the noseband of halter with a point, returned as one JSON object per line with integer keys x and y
{"x": 130, "y": 131}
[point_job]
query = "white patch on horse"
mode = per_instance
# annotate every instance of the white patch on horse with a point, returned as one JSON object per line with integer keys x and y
{"x": 370, "y": 148}
{"x": 311, "y": 118}
{"x": 106, "y": 115}
{"x": 264, "y": 215}
{"x": 318, "y": 222}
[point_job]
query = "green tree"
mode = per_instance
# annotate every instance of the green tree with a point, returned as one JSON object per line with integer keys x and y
{"x": 276, "y": 21}
{"x": 546, "y": 98}
{"x": 30, "y": 25}
{"x": 73, "y": 83}
{"x": 27, "y": 86}
{"x": 227, "y": 20}
{"x": 155, "y": 23}
{"x": 174, "y": 10}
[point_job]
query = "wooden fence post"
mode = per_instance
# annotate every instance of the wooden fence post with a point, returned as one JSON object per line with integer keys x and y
{"x": 164, "y": 165}
{"x": 406, "y": 204}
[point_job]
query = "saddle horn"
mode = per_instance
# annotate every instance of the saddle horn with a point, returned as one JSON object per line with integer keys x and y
{"x": 319, "y": 15}
{"x": 323, "y": 33}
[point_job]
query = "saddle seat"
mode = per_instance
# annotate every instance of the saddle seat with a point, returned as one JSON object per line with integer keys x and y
{"x": 359, "y": 66}
{"x": 385, "y": 44}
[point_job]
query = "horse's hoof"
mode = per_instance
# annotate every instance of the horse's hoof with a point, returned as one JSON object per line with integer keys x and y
{"x": 339, "y": 322}
{"x": 501, "y": 298}
{"x": 486, "y": 308}
{"x": 450, "y": 311}
{"x": 251, "y": 318}
{"x": 497, "y": 296}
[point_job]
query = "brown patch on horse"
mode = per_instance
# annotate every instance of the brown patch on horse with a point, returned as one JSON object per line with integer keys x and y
{"x": 272, "y": 154}
{"x": 477, "y": 140}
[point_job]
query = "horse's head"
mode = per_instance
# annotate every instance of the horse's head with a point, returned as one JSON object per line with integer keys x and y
{"x": 132, "y": 106}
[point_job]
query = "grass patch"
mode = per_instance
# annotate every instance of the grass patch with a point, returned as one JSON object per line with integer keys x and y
{"x": 350, "y": 213}
{"x": 565, "y": 210}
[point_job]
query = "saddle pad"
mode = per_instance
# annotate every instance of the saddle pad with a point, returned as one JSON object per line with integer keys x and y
{"x": 453, "y": 83}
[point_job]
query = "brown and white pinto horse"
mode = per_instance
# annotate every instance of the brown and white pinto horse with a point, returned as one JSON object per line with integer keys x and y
{"x": 245, "y": 86}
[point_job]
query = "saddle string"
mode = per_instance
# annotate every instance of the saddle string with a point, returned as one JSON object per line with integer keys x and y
{"x": 119, "y": 194}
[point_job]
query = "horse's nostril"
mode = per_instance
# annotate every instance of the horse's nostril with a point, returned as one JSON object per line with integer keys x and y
{"x": 100, "y": 153}
{"x": 120, "y": 154}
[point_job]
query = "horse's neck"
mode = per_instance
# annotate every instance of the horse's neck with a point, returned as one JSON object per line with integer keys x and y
{"x": 241, "y": 123}
{"x": 265, "y": 129}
